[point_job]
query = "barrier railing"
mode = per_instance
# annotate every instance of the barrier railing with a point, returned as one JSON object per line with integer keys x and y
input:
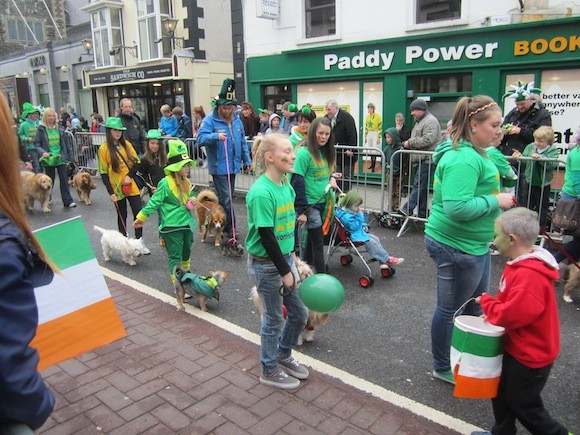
{"x": 86, "y": 147}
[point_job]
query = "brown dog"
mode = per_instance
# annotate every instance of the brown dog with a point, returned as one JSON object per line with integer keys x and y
{"x": 210, "y": 216}
{"x": 202, "y": 287}
{"x": 571, "y": 275}
{"x": 83, "y": 184}
{"x": 36, "y": 187}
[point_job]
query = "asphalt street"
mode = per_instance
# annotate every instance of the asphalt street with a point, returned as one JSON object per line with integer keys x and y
{"x": 381, "y": 334}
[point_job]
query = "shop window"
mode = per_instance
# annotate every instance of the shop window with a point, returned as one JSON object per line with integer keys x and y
{"x": 152, "y": 45}
{"x": 18, "y": 31}
{"x": 107, "y": 31}
{"x": 65, "y": 94}
{"x": 429, "y": 11}
{"x": 43, "y": 97}
{"x": 320, "y": 18}
{"x": 274, "y": 96}
{"x": 442, "y": 84}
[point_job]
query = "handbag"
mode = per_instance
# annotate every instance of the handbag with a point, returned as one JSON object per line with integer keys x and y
{"x": 567, "y": 216}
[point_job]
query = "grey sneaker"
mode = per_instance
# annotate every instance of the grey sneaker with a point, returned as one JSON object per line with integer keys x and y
{"x": 279, "y": 379}
{"x": 291, "y": 366}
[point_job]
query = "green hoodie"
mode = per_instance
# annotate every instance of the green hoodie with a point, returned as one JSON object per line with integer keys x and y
{"x": 464, "y": 201}
{"x": 389, "y": 150}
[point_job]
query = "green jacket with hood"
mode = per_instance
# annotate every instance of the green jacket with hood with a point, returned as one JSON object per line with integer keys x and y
{"x": 464, "y": 202}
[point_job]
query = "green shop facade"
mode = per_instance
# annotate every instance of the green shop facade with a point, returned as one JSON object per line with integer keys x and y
{"x": 440, "y": 68}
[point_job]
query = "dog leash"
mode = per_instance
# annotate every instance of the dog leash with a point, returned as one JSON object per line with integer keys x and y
{"x": 233, "y": 239}
{"x": 120, "y": 216}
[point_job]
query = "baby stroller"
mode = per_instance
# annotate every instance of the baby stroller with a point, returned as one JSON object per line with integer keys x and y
{"x": 340, "y": 239}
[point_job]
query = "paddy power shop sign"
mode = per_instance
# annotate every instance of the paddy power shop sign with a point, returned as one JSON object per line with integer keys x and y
{"x": 550, "y": 49}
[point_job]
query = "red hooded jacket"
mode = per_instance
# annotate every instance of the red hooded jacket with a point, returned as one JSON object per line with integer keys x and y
{"x": 526, "y": 307}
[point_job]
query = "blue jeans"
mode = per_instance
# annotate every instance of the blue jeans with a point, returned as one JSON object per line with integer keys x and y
{"x": 62, "y": 180}
{"x": 225, "y": 192}
{"x": 460, "y": 276}
{"x": 376, "y": 250}
{"x": 277, "y": 338}
{"x": 419, "y": 190}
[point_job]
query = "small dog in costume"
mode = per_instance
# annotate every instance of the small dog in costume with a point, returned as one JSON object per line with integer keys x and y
{"x": 203, "y": 287}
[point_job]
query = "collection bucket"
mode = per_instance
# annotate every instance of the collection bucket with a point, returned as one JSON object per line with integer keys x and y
{"x": 476, "y": 357}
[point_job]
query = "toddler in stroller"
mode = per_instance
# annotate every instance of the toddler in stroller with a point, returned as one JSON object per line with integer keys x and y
{"x": 352, "y": 218}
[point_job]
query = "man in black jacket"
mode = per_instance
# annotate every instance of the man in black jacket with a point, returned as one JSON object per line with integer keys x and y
{"x": 344, "y": 130}
{"x": 521, "y": 122}
{"x": 134, "y": 133}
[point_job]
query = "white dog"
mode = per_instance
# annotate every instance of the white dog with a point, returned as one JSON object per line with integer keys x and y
{"x": 112, "y": 240}
{"x": 314, "y": 319}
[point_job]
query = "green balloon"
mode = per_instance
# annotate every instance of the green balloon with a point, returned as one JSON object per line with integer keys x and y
{"x": 321, "y": 293}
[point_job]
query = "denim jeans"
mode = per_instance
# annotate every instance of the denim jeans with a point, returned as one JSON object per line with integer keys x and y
{"x": 62, "y": 180}
{"x": 277, "y": 338}
{"x": 460, "y": 276}
{"x": 376, "y": 250}
{"x": 225, "y": 192}
{"x": 419, "y": 189}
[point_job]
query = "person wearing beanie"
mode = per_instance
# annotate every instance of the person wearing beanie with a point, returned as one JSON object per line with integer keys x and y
{"x": 222, "y": 134}
{"x": 26, "y": 132}
{"x": 174, "y": 200}
{"x": 373, "y": 127}
{"x": 425, "y": 136}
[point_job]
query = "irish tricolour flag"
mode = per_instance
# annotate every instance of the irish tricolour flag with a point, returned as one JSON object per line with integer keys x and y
{"x": 76, "y": 311}
{"x": 476, "y": 357}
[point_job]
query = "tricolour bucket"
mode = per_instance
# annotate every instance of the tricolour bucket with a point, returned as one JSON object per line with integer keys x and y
{"x": 476, "y": 357}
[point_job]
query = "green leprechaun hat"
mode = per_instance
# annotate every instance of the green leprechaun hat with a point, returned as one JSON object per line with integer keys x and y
{"x": 154, "y": 134}
{"x": 114, "y": 123}
{"x": 521, "y": 92}
{"x": 29, "y": 109}
{"x": 177, "y": 156}
{"x": 226, "y": 96}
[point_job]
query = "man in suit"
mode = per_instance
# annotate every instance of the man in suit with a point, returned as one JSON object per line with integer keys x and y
{"x": 344, "y": 130}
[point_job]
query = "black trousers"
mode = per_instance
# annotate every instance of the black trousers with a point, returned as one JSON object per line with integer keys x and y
{"x": 136, "y": 204}
{"x": 519, "y": 398}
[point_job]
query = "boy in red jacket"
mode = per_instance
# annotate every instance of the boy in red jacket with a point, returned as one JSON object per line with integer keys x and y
{"x": 526, "y": 307}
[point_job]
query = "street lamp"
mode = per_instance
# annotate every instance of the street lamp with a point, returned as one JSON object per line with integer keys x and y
{"x": 87, "y": 44}
{"x": 170, "y": 24}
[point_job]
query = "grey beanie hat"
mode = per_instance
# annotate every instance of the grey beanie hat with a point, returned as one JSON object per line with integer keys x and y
{"x": 418, "y": 104}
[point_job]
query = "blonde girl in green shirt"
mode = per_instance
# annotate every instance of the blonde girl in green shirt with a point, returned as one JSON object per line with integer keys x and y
{"x": 270, "y": 245}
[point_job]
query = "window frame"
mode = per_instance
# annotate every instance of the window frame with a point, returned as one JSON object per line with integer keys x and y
{"x": 302, "y": 39}
{"x": 412, "y": 8}
{"x": 18, "y": 22}
{"x": 149, "y": 49}
{"x": 106, "y": 36}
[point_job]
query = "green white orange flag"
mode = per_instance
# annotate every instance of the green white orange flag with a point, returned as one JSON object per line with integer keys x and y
{"x": 76, "y": 311}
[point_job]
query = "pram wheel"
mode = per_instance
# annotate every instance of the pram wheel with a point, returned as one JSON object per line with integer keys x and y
{"x": 346, "y": 259}
{"x": 366, "y": 281}
{"x": 388, "y": 272}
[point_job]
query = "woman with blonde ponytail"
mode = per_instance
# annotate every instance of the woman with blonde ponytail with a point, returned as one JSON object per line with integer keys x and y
{"x": 25, "y": 402}
{"x": 466, "y": 201}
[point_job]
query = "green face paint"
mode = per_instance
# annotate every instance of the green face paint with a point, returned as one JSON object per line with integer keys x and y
{"x": 284, "y": 159}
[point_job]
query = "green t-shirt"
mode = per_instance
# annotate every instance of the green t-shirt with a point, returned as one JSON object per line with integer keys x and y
{"x": 54, "y": 148}
{"x": 572, "y": 165}
{"x": 462, "y": 175}
{"x": 316, "y": 175}
{"x": 270, "y": 206}
{"x": 26, "y": 130}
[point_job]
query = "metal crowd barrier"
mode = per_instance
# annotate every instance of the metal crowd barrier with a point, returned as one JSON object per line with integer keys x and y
{"x": 86, "y": 146}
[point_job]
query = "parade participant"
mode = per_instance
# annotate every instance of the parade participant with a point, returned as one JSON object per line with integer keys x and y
{"x": 27, "y": 131}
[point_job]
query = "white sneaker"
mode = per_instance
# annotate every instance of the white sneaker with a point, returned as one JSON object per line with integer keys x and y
{"x": 72, "y": 205}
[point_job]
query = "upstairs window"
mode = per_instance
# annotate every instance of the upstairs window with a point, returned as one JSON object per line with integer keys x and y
{"x": 429, "y": 11}
{"x": 18, "y": 31}
{"x": 152, "y": 45}
{"x": 107, "y": 35}
{"x": 320, "y": 18}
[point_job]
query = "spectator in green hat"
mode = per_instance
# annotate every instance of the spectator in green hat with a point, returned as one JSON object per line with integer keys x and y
{"x": 26, "y": 132}
{"x": 153, "y": 161}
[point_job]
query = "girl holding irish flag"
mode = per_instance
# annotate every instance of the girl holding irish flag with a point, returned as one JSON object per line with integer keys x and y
{"x": 25, "y": 402}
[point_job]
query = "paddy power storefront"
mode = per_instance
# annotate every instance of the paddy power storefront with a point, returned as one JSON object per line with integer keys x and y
{"x": 437, "y": 67}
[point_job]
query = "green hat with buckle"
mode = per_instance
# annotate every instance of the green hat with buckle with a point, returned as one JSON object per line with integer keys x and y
{"x": 177, "y": 156}
{"x": 114, "y": 123}
{"x": 226, "y": 95}
{"x": 29, "y": 109}
{"x": 154, "y": 134}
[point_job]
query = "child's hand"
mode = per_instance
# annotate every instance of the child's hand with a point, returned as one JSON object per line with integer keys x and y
{"x": 516, "y": 154}
{"x": 137, "y": 224}
{"x": 366, "y": 229}
{"x": 190, "y": 205}
{"x": 536, "y": 156}
{"x": 478, "y": 299}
